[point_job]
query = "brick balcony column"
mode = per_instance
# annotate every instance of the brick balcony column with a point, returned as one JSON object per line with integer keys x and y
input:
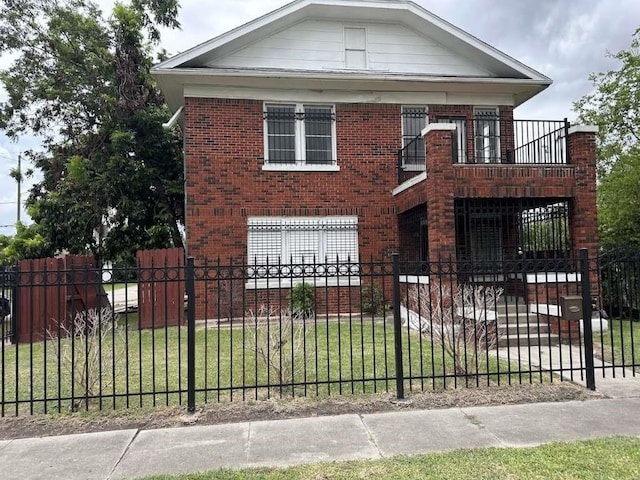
{"x": 440, "y": 187}
{"x": 584, "y": 219}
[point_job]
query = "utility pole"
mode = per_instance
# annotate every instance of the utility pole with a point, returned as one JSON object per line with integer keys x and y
{"x": 19, "y": 183}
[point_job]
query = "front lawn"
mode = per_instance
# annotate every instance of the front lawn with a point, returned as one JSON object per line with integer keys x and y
{"x": 149, "y": 367}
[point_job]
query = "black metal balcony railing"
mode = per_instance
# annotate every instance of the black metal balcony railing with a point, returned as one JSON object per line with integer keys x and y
{"x": 488, "y": 139}
{"x": 411, "y": 159}
{"x": 539, "y": 142}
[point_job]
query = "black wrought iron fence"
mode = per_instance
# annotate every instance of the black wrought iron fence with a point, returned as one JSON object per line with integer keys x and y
{"x": 616, "y": 322}
{"x": 231, "y": 332}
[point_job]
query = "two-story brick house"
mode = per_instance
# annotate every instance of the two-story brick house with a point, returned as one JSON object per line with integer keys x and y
{"x": 354, "y": 129}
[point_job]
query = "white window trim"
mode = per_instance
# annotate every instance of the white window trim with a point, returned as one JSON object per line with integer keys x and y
{"x": 413, "y": 168}
{"x": 365, "y": 50}
{"x": 300, "y": 164}
{"x": 296, "y": 167}
{"x": 497, "y": 140}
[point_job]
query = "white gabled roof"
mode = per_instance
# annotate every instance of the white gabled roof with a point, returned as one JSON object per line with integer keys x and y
{"x": 191, "y": 66}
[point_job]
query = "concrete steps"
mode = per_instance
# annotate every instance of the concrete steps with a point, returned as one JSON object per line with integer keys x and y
{"x": 519, "y": 328}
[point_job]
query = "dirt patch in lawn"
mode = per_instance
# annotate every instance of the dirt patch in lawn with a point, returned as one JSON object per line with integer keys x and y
{"x": 218, "y": 413}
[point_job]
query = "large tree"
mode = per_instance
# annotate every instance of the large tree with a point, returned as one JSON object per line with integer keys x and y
{"x": 112, "y": 177}
{"x": 614, "y": 106}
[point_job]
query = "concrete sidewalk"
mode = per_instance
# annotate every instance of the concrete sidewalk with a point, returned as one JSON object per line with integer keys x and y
{"x": 134, "y": 453}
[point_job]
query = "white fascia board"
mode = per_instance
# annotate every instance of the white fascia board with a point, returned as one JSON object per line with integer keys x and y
{"x": 296, "y": 95}
{"x": 177, "y": 83}
{"x": 345, "y": 75}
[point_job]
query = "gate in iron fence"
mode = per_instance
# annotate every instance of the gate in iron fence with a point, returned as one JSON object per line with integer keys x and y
{"x": 314, "y": 329}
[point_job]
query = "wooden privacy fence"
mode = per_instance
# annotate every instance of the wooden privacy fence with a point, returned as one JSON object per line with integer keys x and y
{"x": 161, "y": 301}
{"x": 51, "y": 291}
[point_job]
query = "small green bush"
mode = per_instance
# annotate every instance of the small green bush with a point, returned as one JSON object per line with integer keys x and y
{"x": 302, "y": 299}
{"x": 372, "y": 299}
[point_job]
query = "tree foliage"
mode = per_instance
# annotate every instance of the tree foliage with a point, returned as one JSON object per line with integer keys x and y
{"x": 26, "y": 243}
{"x": 112, "y": 176}
{"x": 614, "y": 107}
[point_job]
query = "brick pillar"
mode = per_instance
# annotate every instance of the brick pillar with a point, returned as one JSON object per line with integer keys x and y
{"x": 440, "y": 185}
{"x": 583, "y": 219}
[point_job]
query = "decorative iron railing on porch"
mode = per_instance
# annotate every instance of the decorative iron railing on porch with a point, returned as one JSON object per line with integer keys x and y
{"x": 490, "y": 139}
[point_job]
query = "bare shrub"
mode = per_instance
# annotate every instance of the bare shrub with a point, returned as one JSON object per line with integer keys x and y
{"x": 462, "y": 322}
{"x": 91, "y": 350}
{"x": 279, "y": 344}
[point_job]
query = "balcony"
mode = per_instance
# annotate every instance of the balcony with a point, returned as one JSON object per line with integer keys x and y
{"x": 513, "y": 147}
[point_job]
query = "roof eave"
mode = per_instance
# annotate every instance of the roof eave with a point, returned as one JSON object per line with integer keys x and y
{"x": 173, "y": 80}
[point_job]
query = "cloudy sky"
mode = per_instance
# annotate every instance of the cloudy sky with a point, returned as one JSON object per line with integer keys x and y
{"x": 564, "y": 39}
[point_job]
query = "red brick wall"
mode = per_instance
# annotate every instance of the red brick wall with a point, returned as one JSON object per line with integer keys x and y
{"x": 514, "y": 181}
{"x": 440, "y": 199}
{"x": 226, "y": 183}
{"x": 230, "y": 300}
{"x": 224, "y": 148}
{"x": 584, "y": 224}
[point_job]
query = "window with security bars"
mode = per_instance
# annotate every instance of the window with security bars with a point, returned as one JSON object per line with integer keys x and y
{"x": 300, "y": 134}
{"x": 302, "y": 240}
{"x": 486, "y": 135}
{"x": 414, "y": 120}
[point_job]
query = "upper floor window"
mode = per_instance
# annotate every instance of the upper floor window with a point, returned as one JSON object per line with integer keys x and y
{"x": 298, "y": 134}
{"x": 486, "y": 126}
{"x": 414, "y": 120}
{"x": 355, "y": 47}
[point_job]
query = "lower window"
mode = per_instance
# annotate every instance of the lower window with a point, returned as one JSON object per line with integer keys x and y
{"x": 296, "y": 247}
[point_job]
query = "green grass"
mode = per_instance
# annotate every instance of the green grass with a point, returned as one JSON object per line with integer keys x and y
{"x": 608, "y": 458}
{"x": 344, "y": 357}
{"x": 620, "y": 345}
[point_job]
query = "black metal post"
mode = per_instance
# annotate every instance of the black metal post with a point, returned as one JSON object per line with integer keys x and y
{"x": 191, "y": 336}
{"x": 586, "y": 319}
{"x": 567, "y": 125}
{"x": 397, "y": 327}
